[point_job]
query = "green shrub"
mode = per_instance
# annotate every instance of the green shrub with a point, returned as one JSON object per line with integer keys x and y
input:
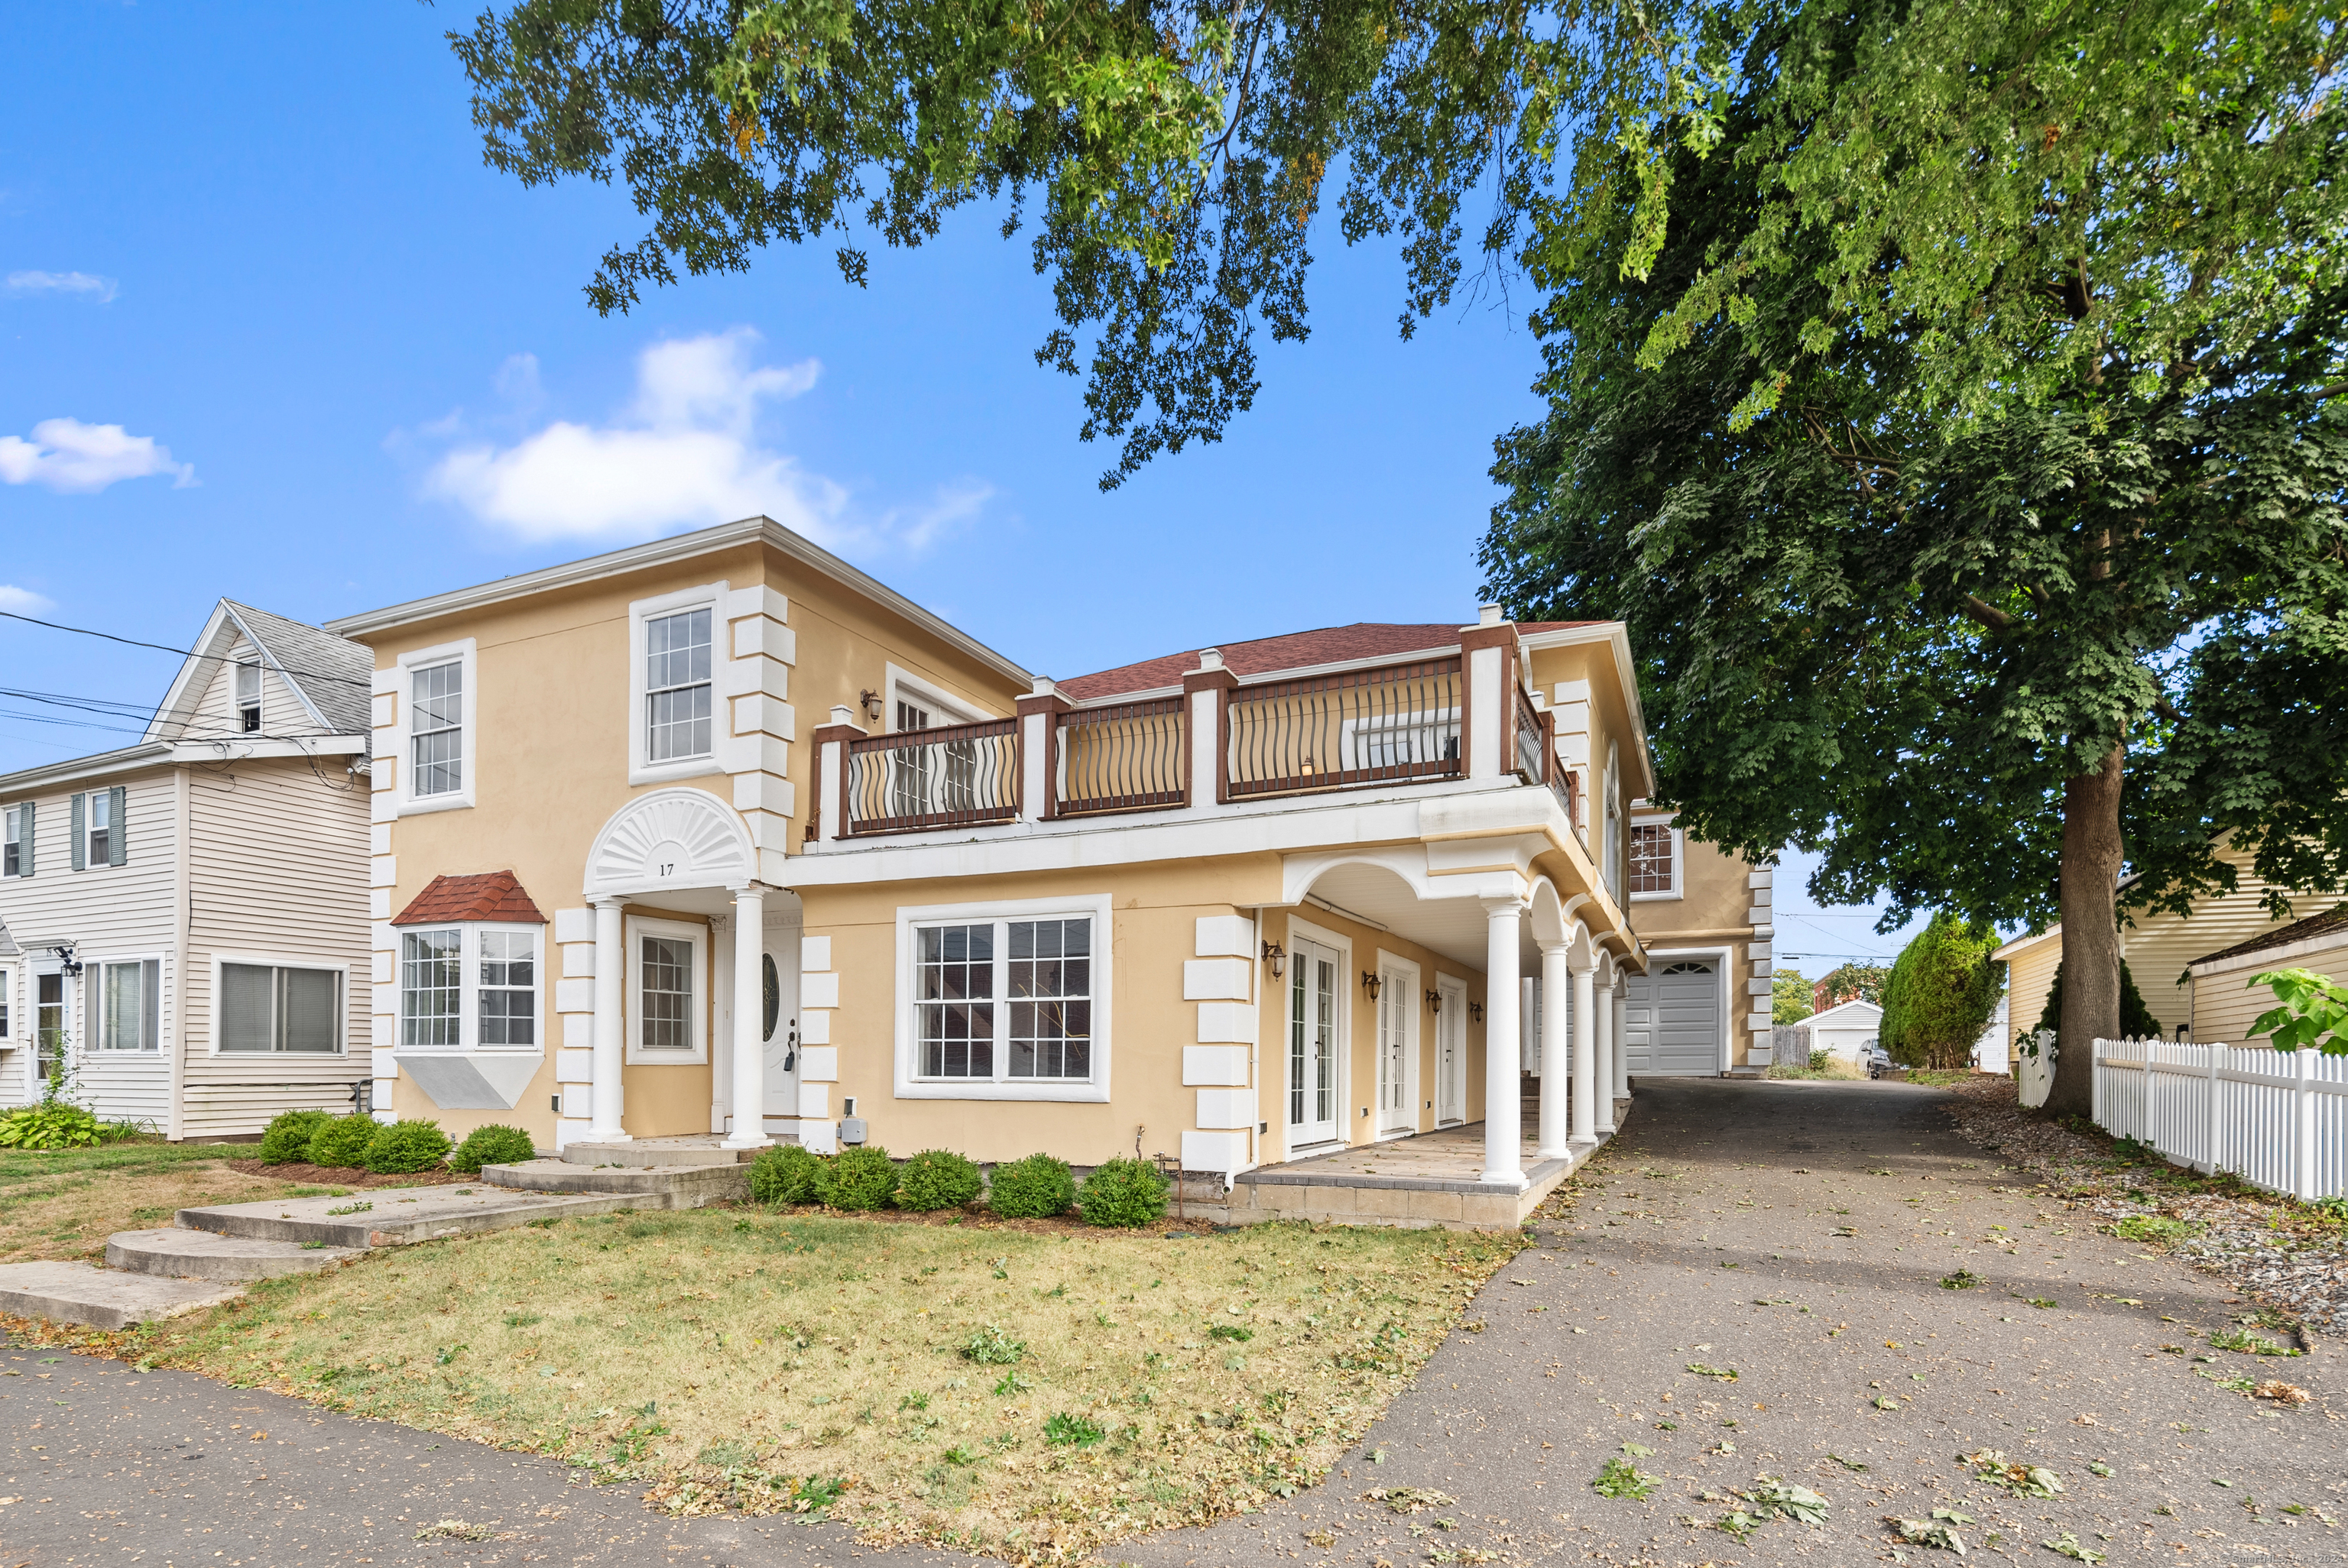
{"x": 1034, "y": 1188}
{"x": 344, "y": 1139}
{"x": 1123, "y": 1192}
{"x": 1942, "y": 990}
{"x": 861, "y": 1178}
{"x": 51, "y": 1124}
{"x": 937, "y": 1179}
{"x": 406, "y": 1147}
{"x": 786, "y": 1173}
{"x": 286, "y": 1140}
{"x": 492, "y": 1145}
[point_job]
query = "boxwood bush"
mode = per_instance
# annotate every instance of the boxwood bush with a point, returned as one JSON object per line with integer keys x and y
{"x": 286, "y": 1140}
{"x": 786, "y": 1173}
{"x": 1034, "y": 1188}
{"x": 1123, "y": 1192}
{"x": 492, "y": 1145}
{"x": 344, "y": 1139}
{"x": 937, "y": 1179}
{"x": 861, "y": 1178}
{"x": 406, "y": 1146}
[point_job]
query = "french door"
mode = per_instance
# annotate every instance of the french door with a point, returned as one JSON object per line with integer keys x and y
{"x": 1451, "y": 1053}
{"x": 1397, "y": 1006}
{"x": 1313, "y": 995}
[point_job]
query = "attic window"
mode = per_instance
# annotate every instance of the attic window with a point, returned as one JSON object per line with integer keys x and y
{"x": 247, "y": 697}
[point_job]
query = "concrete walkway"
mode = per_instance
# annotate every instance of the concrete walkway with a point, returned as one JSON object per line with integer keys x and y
{"x": 1712, "y": 1240}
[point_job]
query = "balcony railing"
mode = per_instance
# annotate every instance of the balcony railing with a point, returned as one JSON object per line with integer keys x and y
{"x": 1359, "y": 727}
{"x": 1531, "y": 764}
{"x": 1127, "y": 757}
{"x": 962, "y": 775}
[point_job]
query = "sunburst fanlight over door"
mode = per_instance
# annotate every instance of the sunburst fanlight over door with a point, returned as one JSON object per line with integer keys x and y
{"x": 673, "y": 838}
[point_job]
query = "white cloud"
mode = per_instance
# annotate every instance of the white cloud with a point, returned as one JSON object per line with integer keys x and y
{"x": 684, "y": 453}
{"x": 101, "y": 289}
{"x": 956, "y": 503}
{"x": 67, "y": 454}
{"x": 23, "y": 600}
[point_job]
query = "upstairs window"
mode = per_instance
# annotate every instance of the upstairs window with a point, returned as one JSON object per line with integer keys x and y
{"x": 247, "y": 697}
{"x": 97, "y": 837}
{"x": 101, "y": 828}
{"x": 16, "y": 840}
{"x": 678, "y": 686}
{"x": 437, "y": 729}
{"x": 1654, "y": 860}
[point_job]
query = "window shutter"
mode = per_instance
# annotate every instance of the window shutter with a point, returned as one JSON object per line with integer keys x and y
{"x": 117, "y": 837}
{"x": 80, "y": 838}
{"x": 24, "y": 855}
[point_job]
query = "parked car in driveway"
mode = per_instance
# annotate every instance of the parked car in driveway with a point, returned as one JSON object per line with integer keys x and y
{"x": 1875, "y": 1059}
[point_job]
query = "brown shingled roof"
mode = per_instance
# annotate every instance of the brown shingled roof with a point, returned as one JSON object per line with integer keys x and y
{"x": 1293, "y": 650}
{"x": 2334, "y": 919}
{"x": 491, "y": 895}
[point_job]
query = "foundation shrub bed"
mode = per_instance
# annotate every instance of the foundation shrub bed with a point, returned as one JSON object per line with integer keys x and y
{"x": 406, "y": 1147}
{"x": 937, "y": 1179}
{"x": 343, "y": 1139}
{"x": 772, "y": 1362}
{"x": 786, "y": 1173}
{"x": 857, "y": 1179}
{"x": 1123, "y": 1193}
{"x": 1036, "y": 1188}
{"x": 492, "y": 1145}
{"x": 286, "y": 1140}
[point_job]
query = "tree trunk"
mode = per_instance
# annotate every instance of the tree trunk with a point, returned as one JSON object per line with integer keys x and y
{"x": 2091, "y": 855}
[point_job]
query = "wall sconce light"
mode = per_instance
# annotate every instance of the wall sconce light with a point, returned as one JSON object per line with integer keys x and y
{"x": 1305, "y": 769}
{"x": 1371, "y": 984}
{"x": 872, "y": 701}
{"x": 1277, "y": 956}
{"x": 1476, "y": 1011}
{"x": 1435, "y": 1001}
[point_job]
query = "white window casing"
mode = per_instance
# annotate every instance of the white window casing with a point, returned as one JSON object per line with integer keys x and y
{"x": 1032, "y": 1023}
{"x": 902, "y": 686}
{"x": 477, "y": 986}
{"x": 248, "y": 696}
{"x": 676, "y": 696}
{"x": 17, "y": 839}
{"x": 668, "y": 971}
{"x": 1643, "y": 860}
{"x": 7, "y": 1004}
{"x": 122, "y": 1004}
{"x": 271, "y": 1004}
{"x": 437, "y": 720}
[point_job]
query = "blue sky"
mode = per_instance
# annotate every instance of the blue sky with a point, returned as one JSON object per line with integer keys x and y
{"x": 269, "y": 329}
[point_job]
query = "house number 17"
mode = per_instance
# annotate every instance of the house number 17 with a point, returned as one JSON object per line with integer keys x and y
{"x": 668, "y": 868}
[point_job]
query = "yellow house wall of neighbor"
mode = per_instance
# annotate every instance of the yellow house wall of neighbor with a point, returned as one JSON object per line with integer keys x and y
{"x": 552, "y": 719}
{"x": 1155, "y": 910}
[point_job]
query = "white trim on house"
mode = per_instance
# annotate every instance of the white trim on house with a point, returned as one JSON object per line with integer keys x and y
{"x": 1453, "y": 991}
{"x": 1412, "y": 1042}
{"x": 697, "y": 1010}
{"x": 1343, "y": 945}
{"x": 1617, "y": 637}
{"x": 463, "y": 653}
{"x": 1678, "y": 890}
{"x": 641, "y": 770}
{"x": 91, "y": 984}
{"x": 468, "y": 989}
{"x": 33, "y": 781}
{"x": 1723, "y": 957}
{"x": 912, "y": 1085}
{"x": 896, "y": 678}
{"x": 347, "y": 1005}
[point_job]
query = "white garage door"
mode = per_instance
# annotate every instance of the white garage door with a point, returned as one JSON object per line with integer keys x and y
{"x": 1671, "y": 1019}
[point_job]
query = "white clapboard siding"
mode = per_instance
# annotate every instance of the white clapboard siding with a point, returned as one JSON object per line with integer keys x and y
{"x": 217, "y": 717}
{"x": 102, "y": 912}
{"x": 2276, "y": 1119}
{"x": 278, "y": 863}
{"x": 2225, "y": 1005}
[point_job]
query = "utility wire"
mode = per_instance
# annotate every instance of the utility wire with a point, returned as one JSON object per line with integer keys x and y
{"x": 182, "y": 653}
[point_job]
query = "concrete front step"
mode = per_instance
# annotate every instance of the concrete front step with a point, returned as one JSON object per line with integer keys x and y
{"x": 392, "y": 1216}
{"x": 224, "y": 1259}
{"x": 670, "y": 1186}
{"x": 102, "y": 1297}
{"x": 655, "y": 1153}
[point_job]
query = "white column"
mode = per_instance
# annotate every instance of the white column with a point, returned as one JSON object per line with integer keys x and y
{"x": 1585, "y": 1055}
{"x": 749, "y": 1130}
{"x": 611, "y": 1029}
{"x": 1556, "y": 1050}
{"x": 1620, "y": 1012}
{"x": 1603, "y": 1050}
{"x": 1503, "y": 1107}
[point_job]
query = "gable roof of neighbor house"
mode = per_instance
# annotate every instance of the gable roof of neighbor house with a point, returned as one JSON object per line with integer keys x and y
{"x": 330, "y": 676}
{"x": 1289, "y": 651}
{"x": 1856, "y": 1013}
{"x": 489, "y": 896}
{"x": 2299, "y": 934}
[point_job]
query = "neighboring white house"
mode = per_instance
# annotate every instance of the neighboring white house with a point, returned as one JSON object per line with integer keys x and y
{"x": 1844, "y": 1027}
{"x": 190, "y": 913}
{"x": 1990, "y": 1050}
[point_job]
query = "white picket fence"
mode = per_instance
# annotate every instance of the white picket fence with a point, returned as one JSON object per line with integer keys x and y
{"x": 2277, "y": 1119}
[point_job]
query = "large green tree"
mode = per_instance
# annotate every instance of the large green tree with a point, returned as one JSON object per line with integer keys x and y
{"x": 1966, "y": 450}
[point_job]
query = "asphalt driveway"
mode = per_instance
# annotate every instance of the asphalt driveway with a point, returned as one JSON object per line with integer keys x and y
{"x": 1795, "y": 1235}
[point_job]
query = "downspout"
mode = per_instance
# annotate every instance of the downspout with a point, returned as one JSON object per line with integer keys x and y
{"x": 183, "y": 933}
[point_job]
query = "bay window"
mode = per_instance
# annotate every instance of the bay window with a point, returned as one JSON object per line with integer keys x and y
{"x": 471, "y": 986}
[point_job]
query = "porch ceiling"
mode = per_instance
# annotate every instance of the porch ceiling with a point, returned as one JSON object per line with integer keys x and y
{"x": 1451, "y": 926}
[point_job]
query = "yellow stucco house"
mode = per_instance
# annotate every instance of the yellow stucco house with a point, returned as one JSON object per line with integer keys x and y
{"x": 718, "y": 835}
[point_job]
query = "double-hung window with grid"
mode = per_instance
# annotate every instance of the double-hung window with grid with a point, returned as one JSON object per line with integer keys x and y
{"x": 1004, "y": 1000}
{"x": 678, "y": 686}
{"x": 469, "y": 986}
{"x": 432, "y": 988}
{"x": 16, "y": 840}
{"x": 437, "y": 729}
{"x": 1652, "y": 867}
{"x": 664, "y": 994}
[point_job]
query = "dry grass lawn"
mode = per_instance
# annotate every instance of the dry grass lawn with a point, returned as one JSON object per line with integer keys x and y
{"x": 65, "y": 1203}
{"x": 1031, "y": 1397}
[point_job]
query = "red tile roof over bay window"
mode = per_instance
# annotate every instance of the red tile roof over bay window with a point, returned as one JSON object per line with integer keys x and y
{"x": 1294, "y": 651}
{"x": 490, "y": 895}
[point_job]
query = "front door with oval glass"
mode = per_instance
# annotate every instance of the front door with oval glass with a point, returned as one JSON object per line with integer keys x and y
{"x": 778, "y": 1022}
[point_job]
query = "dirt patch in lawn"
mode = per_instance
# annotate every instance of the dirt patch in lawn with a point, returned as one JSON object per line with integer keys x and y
{"x": 1033, "y": 1396}
{"x": 69, "y": 1213}
{"x": 345, "y": 1175}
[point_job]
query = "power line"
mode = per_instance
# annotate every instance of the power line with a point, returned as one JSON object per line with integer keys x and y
{"x": 182, "y": 653}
